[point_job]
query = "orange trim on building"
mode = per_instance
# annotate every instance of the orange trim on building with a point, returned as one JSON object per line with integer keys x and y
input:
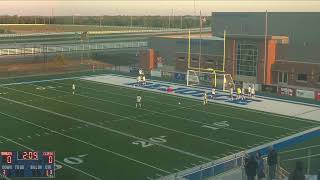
{"x": 151, "y": 59}
{"x": 271, "y": 60}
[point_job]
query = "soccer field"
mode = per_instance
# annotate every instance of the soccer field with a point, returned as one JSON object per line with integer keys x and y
{"x": 98, "y": 133}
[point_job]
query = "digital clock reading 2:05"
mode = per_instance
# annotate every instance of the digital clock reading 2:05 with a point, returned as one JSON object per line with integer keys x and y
{"x": 28, "y": 155}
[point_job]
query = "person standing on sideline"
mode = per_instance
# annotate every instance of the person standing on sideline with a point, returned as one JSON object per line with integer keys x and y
{"x": 260, "y": 171}
{"x": 298, "y": 173}
{"x": 251, "y": 168}
{"x": 272, "y": 162}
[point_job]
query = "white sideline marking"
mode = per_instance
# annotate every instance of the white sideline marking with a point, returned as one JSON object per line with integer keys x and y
{"x": 230, "y": 106}
{"x": 125, "y": 117}
{"x": 84, "y": 142}
{"x": 14, "y": 142}
{"x": 242, "y": 119}
{"x": 108, "y": 129}
{"x": 153, "y": 112}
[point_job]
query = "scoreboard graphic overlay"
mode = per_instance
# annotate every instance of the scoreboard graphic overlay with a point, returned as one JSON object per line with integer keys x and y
{"x": 27, "y": 164}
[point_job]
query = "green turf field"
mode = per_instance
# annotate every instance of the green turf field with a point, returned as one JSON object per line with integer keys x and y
{"x": 97, "y": 133}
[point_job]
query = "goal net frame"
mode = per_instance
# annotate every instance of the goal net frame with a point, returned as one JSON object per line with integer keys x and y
{"x": 211, "y": 79}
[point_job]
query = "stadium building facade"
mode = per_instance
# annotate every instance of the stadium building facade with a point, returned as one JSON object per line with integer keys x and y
{"x": 279, "y": 51}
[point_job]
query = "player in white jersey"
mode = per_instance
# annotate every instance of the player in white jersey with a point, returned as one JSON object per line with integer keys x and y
{"x": 138, "y": 80}
{"x": 205, "y": 98}
{"x": 138, "y": 103}
{"x": 253, "y": 91}
{"x": 213, "y": 93}
{"x": 243, "y": 93}
{"x": 249, "y": 91}
{"x": 73, "y": 88}
{"x": 143, "y": 80}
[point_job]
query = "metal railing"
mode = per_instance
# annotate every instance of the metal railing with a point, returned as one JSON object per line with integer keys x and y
{"x": 69, "y": 48}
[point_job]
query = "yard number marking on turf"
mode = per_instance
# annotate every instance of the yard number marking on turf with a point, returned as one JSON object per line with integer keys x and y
{"x": 72, "y": 161}
{"x": 217, "y": 125}
{"x": 144, "y": 144}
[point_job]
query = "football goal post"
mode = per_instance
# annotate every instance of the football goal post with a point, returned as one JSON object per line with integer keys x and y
{"x": 212, "y": 79}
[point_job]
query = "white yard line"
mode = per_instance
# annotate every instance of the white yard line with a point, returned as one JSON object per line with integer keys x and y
{"x": 108, "y": 129}
{"x": 125, "y": 117}
{"x": 76, "y": 169}
{"x": 85, "y": 142}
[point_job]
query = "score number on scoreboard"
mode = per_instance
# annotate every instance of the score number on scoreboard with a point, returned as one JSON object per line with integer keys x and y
{"x": 27, "y": 164}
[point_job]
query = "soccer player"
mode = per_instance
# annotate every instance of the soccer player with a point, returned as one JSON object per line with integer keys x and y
{"x": 238, "y": 93}
{"x": 253, "y": 91}
{"x": 138, "y": 103}
{"x": 138, "y": 80}
{"x": 249, "y": 91}
{"x": 213, "y": 93}
{"x": 73, "y": 88}
{"x": 231, "y": 93}
{"x": 143, "y": 80}
{"x": 205, "y": 98}
{"x": 243, "y": 93}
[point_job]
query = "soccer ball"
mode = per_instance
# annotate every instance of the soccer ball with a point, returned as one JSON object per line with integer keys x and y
{"x": 179, "y": 102}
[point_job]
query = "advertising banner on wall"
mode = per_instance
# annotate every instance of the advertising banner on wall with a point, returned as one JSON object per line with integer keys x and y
{"x": 180, "y": 76}
{"x": 284, "y": 91}
{"x": 305, "y": 94}
{"x": 269, "y": 88}
{"x": 317, "y": 95}
{"x": 155, "y": 73}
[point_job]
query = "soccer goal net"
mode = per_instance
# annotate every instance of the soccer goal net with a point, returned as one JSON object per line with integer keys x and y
{"x": 209, "y": 79}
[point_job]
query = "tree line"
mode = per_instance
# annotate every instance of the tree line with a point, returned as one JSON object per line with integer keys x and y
{"x": 144, "y": 21}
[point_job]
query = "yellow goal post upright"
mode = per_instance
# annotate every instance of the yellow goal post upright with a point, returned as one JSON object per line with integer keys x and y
{"x": 208, "y": 77}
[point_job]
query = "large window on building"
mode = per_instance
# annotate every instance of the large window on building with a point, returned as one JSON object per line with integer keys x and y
{"x": 247, "y": 58}
{"x": 283, "y": 77}
{"x": 302, "y": 77}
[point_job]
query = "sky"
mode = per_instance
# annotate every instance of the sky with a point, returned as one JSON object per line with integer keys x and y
{"x": 152, "y": 7}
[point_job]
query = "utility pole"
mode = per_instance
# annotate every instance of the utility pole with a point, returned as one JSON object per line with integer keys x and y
{"x": 200, "y": 48}
{"x": 265, "y": 47}
{"x": 131, "y": 21}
